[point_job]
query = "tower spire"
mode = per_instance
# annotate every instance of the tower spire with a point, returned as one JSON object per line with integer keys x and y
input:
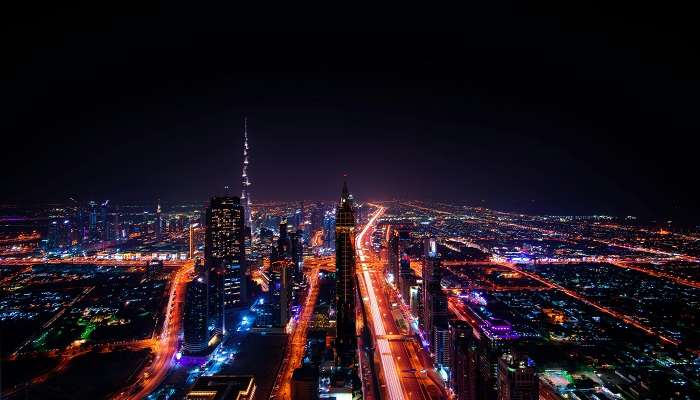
{"x": 245, "y": 192}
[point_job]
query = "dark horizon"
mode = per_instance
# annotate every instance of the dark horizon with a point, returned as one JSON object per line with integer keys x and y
{"x": 546, "y": 111}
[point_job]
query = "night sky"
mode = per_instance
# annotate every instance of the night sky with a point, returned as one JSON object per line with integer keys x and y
{"x": 539, "y": 109}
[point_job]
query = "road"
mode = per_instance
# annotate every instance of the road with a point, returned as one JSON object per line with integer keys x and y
{"x": 165, "y": 345}
{"x": 403, "y": 364}
{"x": 136, "y": 262}
{"x": 297, "y": 339}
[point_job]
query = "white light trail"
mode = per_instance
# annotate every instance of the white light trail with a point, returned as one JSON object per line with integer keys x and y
{"x": 391, "y": 376}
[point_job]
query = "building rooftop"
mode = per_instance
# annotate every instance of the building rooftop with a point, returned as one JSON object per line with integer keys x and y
{"x": 222, "y": 387}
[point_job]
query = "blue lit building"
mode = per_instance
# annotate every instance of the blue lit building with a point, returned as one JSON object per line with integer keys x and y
{"x": 195, "y": 325}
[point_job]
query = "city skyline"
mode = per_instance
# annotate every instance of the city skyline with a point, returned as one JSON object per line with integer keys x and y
{"x": 492, "y": 204}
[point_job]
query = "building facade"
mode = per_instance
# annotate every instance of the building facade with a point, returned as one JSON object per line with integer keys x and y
{"x": 346, "y": 341}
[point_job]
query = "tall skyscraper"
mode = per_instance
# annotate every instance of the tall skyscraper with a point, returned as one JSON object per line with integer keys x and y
{"x": 329, "y": 229}
{"x": 245, "y": 191}
{"x": 435, "y": 311}
{"x": 346, "y": 284}
{"x": 516, "y": 378}
{"x": 92, "y": 222}
{"x": 159, "y": 221}
{"x": 283, "y": 243}
{"x": 105, "y": 231}
{"x": 441, "y": 344}
{"x": 196, "y": 332}
{"x": 462, "y": 360}
{"x": 280, "y": 291}
{"x": 224, "y": 252}
{"x": 297, "y": 253}
{"x": 393, "y": 255}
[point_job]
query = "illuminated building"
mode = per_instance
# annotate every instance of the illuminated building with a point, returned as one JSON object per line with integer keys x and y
{"x": 462, "y": 360}
{"x": 406, "y": 276}
{"x": 393, "y": 254}
{"x": 432, "y": 275}
{"x": 245, "y": 192}
{"x": 555, "y": 316}
{"x": 346, "y": 341}
{"x": 59, "y": 230}
{"x": 435, "y": 310}
{"x": 224, "y": 254}
{"x": 415, "y": 298}
{"x": 283, "y": 243}
{"x": 233, "y": 281}
{"x": 92, "y": 222}
{"x": 222, "y": 387}
{"x": 153, "y": 269}
{"x": 159, "y": 221}
{"x": 297, "y": 254}
{"x": 105, "y": 232}
{"x": 280, "y": 292}
{"x": 195, "y": 318}
{"x": 329, "y": 230}
{"x": 265, "y": 241}
{"x": 441, "y": 344}
{"x": 405, "y": 272}
{"x": 516, "y": 378}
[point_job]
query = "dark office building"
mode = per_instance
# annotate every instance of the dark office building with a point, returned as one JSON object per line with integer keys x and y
{"x": 434, "y": 301}
{"x": 462, "y": 360}
{"x": 280, "y": 292}
{"x": 297, "y": 253}
{"x": 153, "y": 269}
{"x": 393, "y": 255}
{"x": 405, "y": 271}
{"x": 305, "y": 383}
{"x": 346, "y": 345}
{"x": 516, "y": 378}
{"x": 487, "y": 354}
{"x": 283, "y": 242}
{"x": 195, "y": 325}
{"x": 224, "y": 253}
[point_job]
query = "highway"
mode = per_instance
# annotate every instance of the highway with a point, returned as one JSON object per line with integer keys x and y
{"x": 165, "y": 345}
{"x": 404, "y": 366}
{"x": 297, "y": 339}
{"x": 135, "y": 262}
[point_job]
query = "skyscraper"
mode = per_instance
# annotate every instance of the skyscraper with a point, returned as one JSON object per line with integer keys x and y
{"x": 159, "y": 221}
{"x": 280, "y": 291}
{"x": 105, "y": 232}
{"x": 245, "y": 191}
{"x": 393, "y": 255}
{"x": 297, "y": 254}
{"x": 516, "y": 378}
{"x": 345, "y": 281}
{"x": 224, "y": 252}
{"x": 462, "y": 360}
{"x": 283, "y": 243}
{"x": 329, "y": 229}
{"x": 435, "y": 310}
{"x": 196, "y": 337}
